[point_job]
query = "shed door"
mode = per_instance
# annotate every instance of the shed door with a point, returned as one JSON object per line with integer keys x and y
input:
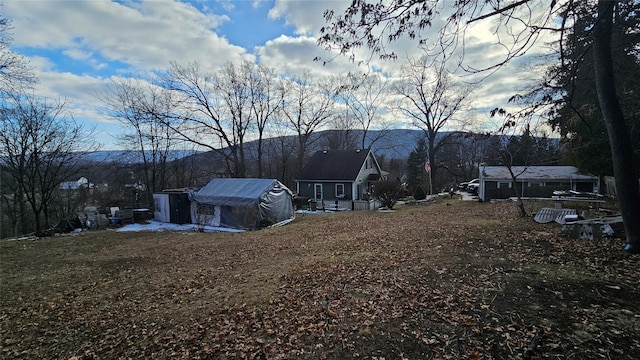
{"x": 180, "y": 208}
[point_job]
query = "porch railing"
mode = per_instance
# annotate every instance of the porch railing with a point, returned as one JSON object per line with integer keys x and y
{"x": 355, "y": 205}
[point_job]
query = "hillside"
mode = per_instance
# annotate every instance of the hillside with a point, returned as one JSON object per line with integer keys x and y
{"x": 392, "y": 144}
{"x": 451, "y": 280}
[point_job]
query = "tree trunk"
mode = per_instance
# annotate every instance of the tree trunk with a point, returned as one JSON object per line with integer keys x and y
{"x": 521, "y": 208}
{"x": 260, "y": 141}
{"x": 627, "y": 189}
{"x": 431, "y": 135}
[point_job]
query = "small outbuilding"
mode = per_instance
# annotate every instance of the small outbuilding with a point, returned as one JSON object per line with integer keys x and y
{"x": 172, "y": 206}
{"x": 532, "y": 181}
{"x": 242, "y": 203}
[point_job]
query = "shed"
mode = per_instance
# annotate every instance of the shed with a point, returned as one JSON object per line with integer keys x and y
{"x": 532, "y": 181}
{"x": 242, "y": 203}
{"x": 172, "y": 206}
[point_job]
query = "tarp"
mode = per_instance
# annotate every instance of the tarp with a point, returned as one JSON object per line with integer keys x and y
{"x": 161, "y": 211}
{"x": 172, "y": 206}
{"x": 242, "y": 203}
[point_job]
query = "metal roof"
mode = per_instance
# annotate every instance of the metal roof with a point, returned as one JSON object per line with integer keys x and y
{"x": 534, "y": 173}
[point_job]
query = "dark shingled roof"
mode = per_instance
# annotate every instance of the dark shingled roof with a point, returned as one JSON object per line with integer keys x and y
{"x": 334, "y": 165}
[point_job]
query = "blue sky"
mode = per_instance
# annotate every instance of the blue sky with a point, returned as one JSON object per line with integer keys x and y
{"x": 77, "y": 46}
{"x": 249, "y": 25}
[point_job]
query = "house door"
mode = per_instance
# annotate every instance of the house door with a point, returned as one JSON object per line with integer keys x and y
{"x": 318, "y": 192}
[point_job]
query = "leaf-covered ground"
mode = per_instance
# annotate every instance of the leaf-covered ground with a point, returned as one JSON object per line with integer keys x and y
{"x": 449, "y": 280}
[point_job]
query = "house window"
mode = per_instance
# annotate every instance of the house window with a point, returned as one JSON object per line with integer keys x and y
{"x": 339, "y": 191}
{"x": 318, "y": 191}
{"x": 369, "y": 164}
{"x": 504, "y": 185}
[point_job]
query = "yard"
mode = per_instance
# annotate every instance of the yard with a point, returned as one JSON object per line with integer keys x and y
{"x": 448, "y": 280}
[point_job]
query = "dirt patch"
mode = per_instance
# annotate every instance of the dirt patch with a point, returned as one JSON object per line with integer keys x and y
{"x": 447, "y": 280}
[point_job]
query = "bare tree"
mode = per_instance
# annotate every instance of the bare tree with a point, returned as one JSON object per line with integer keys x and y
{"x": 341, "y": 133}
{"x": 264, "y": 103}
{"x": 431, "y": 98}
{"x": 200, "y": 113}
{"x": 364, "y": 96}
{"x": 235, "y": 93}
{"x": 306, "y": 106}
{"x": 517, "y": 27}
{"x": 40, "y": 145}
{"x": 282, "y": 153}
{"x": 182, "y": 169}
{"x": 145, "y": 110}
{"x": 15, "y": 72}
{"x": 510, "y": 155}
{"x": 341, "y": 136}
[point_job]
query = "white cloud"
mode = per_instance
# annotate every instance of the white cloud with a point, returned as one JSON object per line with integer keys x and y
{"x": 144, "y": 35}
{"x": 306, "y": 15}
{"x": 294, "y": 55}
{"x": 79, "y": 90}
{"x": 77, "y": 54}
{"x": 40, "y": 63}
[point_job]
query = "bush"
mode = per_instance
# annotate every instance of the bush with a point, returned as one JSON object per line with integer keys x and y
{"x": 388, "y": 192}
{"x": 419, "y": 193}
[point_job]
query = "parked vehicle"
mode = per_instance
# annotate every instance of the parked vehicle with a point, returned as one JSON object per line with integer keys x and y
{"x": 473, "y": 185}
{"x": 463, "y": 185}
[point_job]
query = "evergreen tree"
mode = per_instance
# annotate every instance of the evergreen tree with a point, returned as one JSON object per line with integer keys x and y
{"x": 419, "y": 193}
{"x": 415, "y": 166}
{"x": 572, "y": 86}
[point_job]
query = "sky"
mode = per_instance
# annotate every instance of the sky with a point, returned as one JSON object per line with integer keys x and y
{"x": 77, "y": 46}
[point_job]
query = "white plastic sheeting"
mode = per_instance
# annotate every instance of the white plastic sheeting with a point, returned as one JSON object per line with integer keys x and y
{"x": 242, "y": 203}
{"x": 161, "y": 210}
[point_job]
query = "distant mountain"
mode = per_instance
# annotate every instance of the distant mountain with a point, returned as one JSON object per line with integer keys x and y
{"x": 392, "y": 144}
{"x": 130, "y": 156}
{"x": 396, "y": 143}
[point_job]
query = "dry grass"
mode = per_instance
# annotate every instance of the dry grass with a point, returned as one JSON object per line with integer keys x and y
{"x": 447, "y": 280}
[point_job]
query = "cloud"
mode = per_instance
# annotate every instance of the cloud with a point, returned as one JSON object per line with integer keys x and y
{"x": 79, "y": 90}
{"x": 77, "y": 54}
{"x": 143, "y": 35}
{"x": 130, "y": 37}
{"x": 306, "y": 16}
{"x": 290, "y": 55}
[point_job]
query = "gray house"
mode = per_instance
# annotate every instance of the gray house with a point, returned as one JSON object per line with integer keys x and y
{"x": 532, "y": 181}
{"x": 339, "y": 175}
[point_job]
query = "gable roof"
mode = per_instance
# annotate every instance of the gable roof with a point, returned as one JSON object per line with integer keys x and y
{"x": 334, "y": 165}
{"x": 236, "y": 191}
{"x": 534, "y": 173}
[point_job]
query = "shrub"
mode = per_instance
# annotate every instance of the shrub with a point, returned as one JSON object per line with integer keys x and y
{"x": 388, "y": 192}
{"x": 419, "y": 193}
